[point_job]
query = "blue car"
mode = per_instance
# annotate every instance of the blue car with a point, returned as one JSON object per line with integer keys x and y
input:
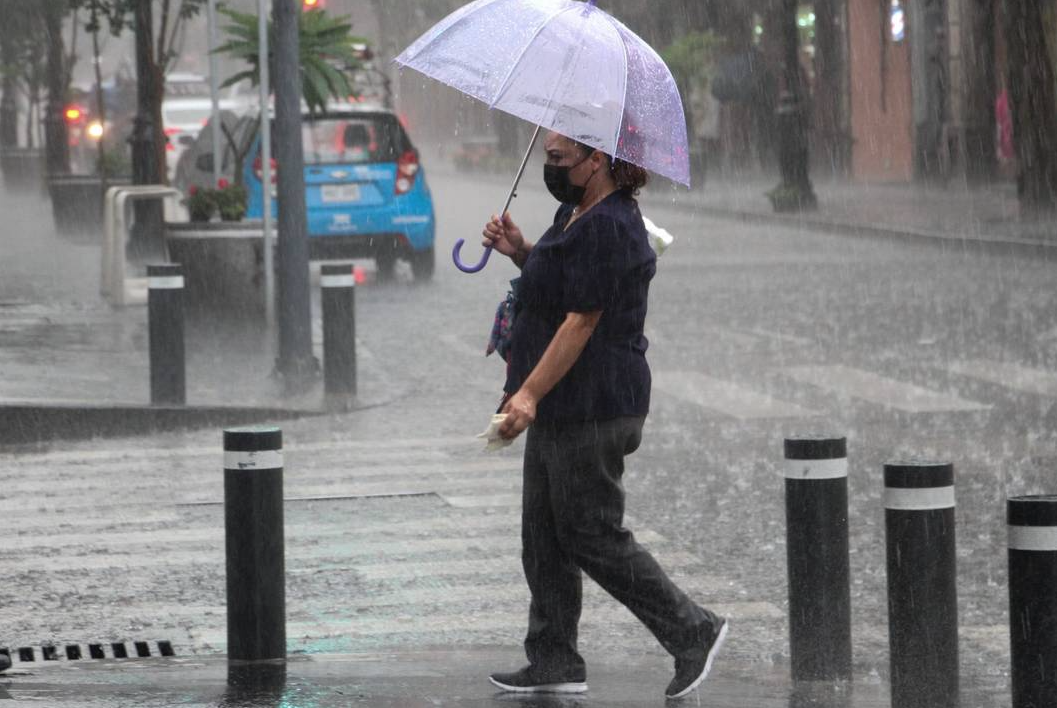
{"x": 365, "y": 190}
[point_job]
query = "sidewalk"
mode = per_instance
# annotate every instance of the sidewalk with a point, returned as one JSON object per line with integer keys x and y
{"x": 954, "y": 213}
{"x": 407, "y": 679}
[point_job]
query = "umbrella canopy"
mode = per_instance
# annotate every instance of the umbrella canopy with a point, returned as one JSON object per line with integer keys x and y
{"x": 566, "y": 66}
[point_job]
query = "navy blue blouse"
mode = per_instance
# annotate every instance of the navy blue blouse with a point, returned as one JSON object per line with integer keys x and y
{"x": 603, "y": 261}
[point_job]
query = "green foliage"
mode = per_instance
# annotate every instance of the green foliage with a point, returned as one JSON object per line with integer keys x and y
{"x": 114, "y": 162}
{"x": 228, "y": 200}
{"x": 691, "y": 58}
{"x": 327, "y": 53}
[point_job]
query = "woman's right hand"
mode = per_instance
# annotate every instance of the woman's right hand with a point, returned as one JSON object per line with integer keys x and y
{"x": 503, "y": 235}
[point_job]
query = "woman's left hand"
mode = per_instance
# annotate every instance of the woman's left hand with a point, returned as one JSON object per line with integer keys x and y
{"x": 520, "y": 414}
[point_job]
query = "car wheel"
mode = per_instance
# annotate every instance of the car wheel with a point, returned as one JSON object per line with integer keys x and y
{"x": 423, "y": 263}
{"x": 385, "y": 263}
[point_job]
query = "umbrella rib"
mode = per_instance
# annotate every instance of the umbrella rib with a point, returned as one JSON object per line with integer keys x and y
{"x": 624, "y": 92}
{"x": 513, "y": 67}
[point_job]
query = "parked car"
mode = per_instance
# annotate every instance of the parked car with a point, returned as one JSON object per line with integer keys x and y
{"x": 365, "y": 188}
{"x": 186, "y": 109}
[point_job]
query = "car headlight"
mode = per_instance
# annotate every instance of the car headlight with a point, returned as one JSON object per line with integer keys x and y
{"x": 95, "y": 130}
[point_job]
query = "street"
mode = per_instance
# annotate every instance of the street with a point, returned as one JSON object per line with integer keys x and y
{"x": 401, "y": 532}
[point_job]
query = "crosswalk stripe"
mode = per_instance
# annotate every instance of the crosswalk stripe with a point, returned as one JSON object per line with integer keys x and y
{"x": 725, "y": 397}
{"x": 606, "y": 616}
{"x": 155, "y": 453}
{"x": 488, "y": 566}
{"x": 194, "y": 484}
{"x": 482, "y": 500}
{"x": 460, "y": 347}
{"x": 1015, "y": 376}
{"x": 868, "y": 386}
{"x": 336, "y": 547}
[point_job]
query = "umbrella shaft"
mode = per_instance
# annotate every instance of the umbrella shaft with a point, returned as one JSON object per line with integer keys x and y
{"x": 521, "y": 171}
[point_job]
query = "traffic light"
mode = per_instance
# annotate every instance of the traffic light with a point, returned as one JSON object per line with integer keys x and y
{"x": 313, "y": 4}
{"x": 73, "y": 114}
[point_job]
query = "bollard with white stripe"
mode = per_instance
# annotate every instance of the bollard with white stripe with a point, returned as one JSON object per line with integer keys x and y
{"x": 165, "y": 312}
{"x": 816, "y": 509}
{"x": 1032, "y": 524}
{"x": 338, "y": 284}
{"x": 922, "y": 590}
{"x": 254, "y": 545}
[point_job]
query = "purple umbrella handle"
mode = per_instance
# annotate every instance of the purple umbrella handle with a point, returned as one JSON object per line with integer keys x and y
{"x": 462, "y": 266}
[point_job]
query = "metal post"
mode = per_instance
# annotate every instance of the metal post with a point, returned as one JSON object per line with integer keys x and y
{"x": 816, "y": 509}
{"x": 214, "y": 91}
{"x": 338, "y": 295}
{"x": 165, "y": 307}
{"x": 1033, "y": 599}
{"x": 922, "y": 590}
{"x": 266, "y": 163}
{"x": 253, "y": 542}
{"x": 296, "y": 364}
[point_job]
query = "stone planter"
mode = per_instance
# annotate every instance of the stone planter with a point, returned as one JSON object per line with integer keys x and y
{"x": 223, "y": 264}
{"x": 77, "y": 202}
{"x": 23, "y": 169}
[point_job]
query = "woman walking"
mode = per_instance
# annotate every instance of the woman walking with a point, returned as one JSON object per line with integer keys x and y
{"x": 578, "y": 382}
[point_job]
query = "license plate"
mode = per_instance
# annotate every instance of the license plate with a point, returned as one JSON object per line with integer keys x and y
{"x": 340, "y": 193}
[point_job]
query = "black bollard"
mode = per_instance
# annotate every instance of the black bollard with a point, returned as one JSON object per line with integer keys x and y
{"x": 253, "y": 523}
{"x": 1033, "y": 599}
{"x": 165, "y": 311}
{"x": 816, "y": 511}
{"x": 922, "y": 590}
{"x": 338, "y": 293}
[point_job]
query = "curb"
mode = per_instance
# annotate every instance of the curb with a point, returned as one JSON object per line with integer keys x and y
{"x": 850, "y": 228}
{"x": 34, "y": 422}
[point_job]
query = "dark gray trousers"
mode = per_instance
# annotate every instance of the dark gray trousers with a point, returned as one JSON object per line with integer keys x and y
{"x": 572, "y": 521}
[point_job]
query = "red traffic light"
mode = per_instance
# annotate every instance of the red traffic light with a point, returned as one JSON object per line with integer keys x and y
{"x": 312, "y": 4}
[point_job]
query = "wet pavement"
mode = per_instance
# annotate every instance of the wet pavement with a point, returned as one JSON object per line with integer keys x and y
{"x": 408, "y": 679}
{"x": 402, "y": 539}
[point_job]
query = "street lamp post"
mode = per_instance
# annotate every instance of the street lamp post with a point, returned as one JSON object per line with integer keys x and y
{"x": 296, "y": 364}
{"x": 795, "y": 192}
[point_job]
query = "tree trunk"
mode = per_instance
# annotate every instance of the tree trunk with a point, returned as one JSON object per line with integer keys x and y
{"x": 929, "y": 86}
{"x": 831, "y": 136}
{"x": 978, "y": 62}
{"x": 57, "y": 148}
{"x": 1032, "y": 103}
{"x": 795, "y": 193}
{"x": 9, "y": 102}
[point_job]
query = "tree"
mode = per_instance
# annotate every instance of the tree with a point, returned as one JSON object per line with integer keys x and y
{"x": 1034, "y": 107}
{"x": 327, "y": 53}
{"x": 162, "y": 48}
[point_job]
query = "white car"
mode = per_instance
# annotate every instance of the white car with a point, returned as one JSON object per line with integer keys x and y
{"x": 186, "y": 109}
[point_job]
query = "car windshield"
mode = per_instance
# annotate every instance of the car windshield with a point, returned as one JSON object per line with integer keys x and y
{"x": 344, "y": 139}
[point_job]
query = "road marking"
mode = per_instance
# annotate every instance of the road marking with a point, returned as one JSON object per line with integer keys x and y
{"x": 1015, "y": 376}
{"x": 725, "y": 397}
{"x": 782, "y": 338}
{"x": 482, "y": 500}
{"x": 460, "y": 347}
{"x": 867, "y": 386}
{"x": 594, "y": 616}
{"x": 492, "y": 567}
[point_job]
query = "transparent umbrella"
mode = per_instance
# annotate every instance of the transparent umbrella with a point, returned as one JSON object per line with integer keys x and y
{"x": 566, "y": 66}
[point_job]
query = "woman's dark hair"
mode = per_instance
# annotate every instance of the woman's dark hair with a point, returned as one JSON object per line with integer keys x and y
{"x": 629, "y": 178}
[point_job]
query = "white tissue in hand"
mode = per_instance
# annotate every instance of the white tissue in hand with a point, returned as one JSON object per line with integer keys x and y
{"x": 659, "y": 238}
{"x": 491, "y": 435}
